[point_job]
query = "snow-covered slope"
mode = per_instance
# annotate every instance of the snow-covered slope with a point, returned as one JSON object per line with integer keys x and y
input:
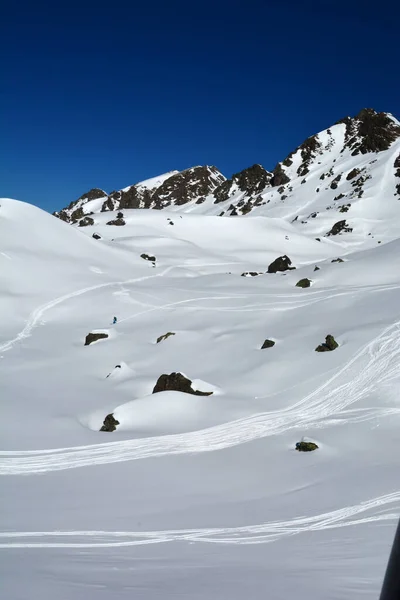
{"x": 198, "y": 496}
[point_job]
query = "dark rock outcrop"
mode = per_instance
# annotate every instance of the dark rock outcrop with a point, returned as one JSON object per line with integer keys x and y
{"x": 110, "y": 423}
{"x": 86, "y": 221}
{"x": 337, "y": 260}
{"x": 304, "y": 283}
{"x": 282, "y": 263}
{"x": 353, "y": 173}
{"x": 267, "y": 344}
{"x": 339, "y": 227}
{"x": 148, "y": 257}
{"x": 119, "y": 221}
{"x": 370, "y": 131}
{"x": 93, "y": 337}
{"x": 251, "y": 274}
{"x": 279, "y": 176}
{"x": 306, "y": 446}
{"x": 178, "y": 383}
{"x": 252, "y": 181}
{"x": 96, "y": 236}
{"x": 165, "y": 336}
{"x": 192, "y": 184}
{"x": 329, "y": 345}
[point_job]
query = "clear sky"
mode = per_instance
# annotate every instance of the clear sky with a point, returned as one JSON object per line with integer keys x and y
{"x": 108, "y": 94}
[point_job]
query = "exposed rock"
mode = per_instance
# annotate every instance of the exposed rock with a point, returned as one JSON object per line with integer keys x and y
{"x": 304, "y": 283}
{"x": 335, "y": 182}
{"x": 329, "y": 345}
{"x": 109, "y": 423}
{"x": 339, "y": 197}
{"x": 69, "y": 215}
{"x": 279, "y": 176}
{"x": 178, "y": 383}
{"x": 86, "y": 221}
{"x": 339, "y": 227}
{"x": 306, "y": 446}
{"x": 337, "y": 260}
{"x": 251, "y": 274}
{"x": 165, "y": 336}
{"x": 118, "y": 222}
{"x": 316, "y": 268}
{"x": 282, "y": 263}
{"x": 251, "y": 181}
{"x": 370, "y": 131}
{"x": 353, "y": 173}
{"x": 93, "y": 337}
{"x": 96, "y": 236}
{"x": 397, "y": 173}
{"x": 267, "y": 344}
{"x": 186, "y": 186}
{"x": 344, "y": 208}
{"x": 148, "y": 257}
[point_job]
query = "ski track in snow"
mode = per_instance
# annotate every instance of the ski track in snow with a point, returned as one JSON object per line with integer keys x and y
{"x": 376, "y": 363}
{"x": 248, "y": 534}
{"x": 379, "y": 363}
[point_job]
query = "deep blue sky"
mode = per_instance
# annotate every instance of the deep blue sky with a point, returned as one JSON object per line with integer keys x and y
{"x": 107, "y": 94}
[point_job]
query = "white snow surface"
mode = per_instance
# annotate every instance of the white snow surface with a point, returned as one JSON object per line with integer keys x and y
{"x": 197, "y": 497}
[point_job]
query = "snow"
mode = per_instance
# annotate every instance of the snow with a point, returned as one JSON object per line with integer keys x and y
{"x": 192, "y": 496}
{"x": 153, "y": 182}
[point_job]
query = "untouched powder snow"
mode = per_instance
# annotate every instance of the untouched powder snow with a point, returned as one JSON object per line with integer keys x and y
{"x": 196, "y": 496}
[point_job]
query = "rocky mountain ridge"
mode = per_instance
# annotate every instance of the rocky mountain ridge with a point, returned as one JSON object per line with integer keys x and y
{"x": 339, "y": 170}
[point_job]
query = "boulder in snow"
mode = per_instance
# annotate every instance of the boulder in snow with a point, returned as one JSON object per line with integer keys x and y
{"x": 306, "y": 446}
{"x": 267, "y": 344}
{"x": 329, "y": 345}
{"x": 94, "y": 337}
{"x": 178, "y": 383}
{"x": 304, "y": 283}
{"x": 165, "y": 336}
{"x": 282, "y": 263}
{"x": 109, "y": 423}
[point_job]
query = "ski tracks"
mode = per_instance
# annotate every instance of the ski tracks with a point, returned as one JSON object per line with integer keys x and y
{"x": 248, "y": 534}
{"x": 376, "y": 363}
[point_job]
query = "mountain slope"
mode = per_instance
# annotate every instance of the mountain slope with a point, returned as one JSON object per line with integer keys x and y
{"x": 196, "y": 496}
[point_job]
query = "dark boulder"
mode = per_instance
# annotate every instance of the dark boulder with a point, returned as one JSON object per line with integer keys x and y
{"x": 96, "y": 236}
{"x": 353, "y": 173}
{"x": 267, "y": 344}
{"x": 109, "y": 423}
{"x": 86, "y": 221}
{"x": 306, "y": 446}
{"x": 304, "y": 283}
{"x": 282, "y": 263}
{"x": 250, "y": 274}
{"x": 178, "y": 383}
{"x": 339, "y": 227}
{"x": 316, "y": 268}
{"x": 118, "y": 222}
{"x": 93, "y": 337}
{"x": 148, "y": 257}
{"x": 329, "y": 345}
{"x": 165, "y": 336}
{"x": 337, "y": 260}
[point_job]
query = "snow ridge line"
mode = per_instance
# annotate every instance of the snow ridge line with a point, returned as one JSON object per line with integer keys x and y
{"x": 381, "y": 359}
{"x": 248, "y": 534}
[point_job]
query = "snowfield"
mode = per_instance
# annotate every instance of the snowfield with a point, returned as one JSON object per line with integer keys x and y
{"x": 197, "y": 496}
